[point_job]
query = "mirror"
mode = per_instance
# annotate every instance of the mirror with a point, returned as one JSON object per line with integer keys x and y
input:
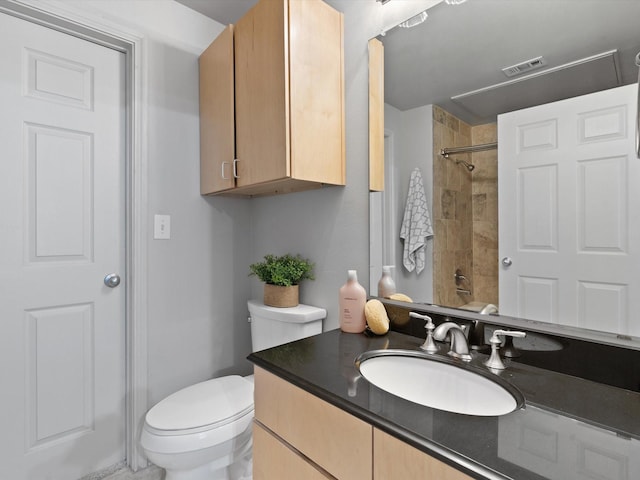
{"x": 444, "y": 87}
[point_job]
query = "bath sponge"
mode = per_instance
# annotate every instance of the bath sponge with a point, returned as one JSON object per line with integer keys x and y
{"x": 401, "y": 297}
{"x": 376, "y": 316}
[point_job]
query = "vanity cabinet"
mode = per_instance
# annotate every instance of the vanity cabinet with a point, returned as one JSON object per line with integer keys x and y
{"x": 288, "y": 97}
{"x": 298, "y": 435}
{"x": 311, "y": 430}
{"x": 394, "y": 459}
{"x": 558, "y": 447}
{"x": 273, "y": 458}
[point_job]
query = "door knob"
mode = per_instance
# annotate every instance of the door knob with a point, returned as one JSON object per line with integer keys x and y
{"x": 112, "y": 280}
{"x": 507, "y": 262}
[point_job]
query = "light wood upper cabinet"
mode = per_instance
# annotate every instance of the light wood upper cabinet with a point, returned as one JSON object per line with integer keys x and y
{"x": 376, "y": 115}
{"x": 217, "y": 115}
{"x": 289, "y": 99}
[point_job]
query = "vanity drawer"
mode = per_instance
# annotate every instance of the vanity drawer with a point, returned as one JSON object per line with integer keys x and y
{"x": 337, "y": 442}
{"x": 273, "y": 458}
{"x": 394, "y": 459}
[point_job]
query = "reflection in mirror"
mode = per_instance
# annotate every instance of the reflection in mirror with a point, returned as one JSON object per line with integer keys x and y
{"x": 448, "y": 82}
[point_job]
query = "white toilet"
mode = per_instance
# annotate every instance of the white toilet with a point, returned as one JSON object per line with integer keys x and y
{"x": 203, "y": 432}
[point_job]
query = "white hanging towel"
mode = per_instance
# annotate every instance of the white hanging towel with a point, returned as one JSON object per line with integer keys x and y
{"x": 416, "y": 225}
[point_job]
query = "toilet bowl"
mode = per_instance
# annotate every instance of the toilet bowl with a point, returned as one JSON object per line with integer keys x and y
{"x": 203, "y": 432}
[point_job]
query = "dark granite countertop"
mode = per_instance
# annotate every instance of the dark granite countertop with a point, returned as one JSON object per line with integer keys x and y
{"x": 571, "y": 428}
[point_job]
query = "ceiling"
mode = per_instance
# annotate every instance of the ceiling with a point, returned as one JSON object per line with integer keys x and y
{"x": 222, "y": 11}
{"x": 459, "y": 52}
{"x": 460, "y": 49}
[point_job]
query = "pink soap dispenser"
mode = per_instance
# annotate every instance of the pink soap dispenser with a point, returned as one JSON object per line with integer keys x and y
{"x": 352, "y": 299}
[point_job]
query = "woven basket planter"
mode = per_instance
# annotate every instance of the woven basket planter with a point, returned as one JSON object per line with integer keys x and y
{"x": 277, "y": 296}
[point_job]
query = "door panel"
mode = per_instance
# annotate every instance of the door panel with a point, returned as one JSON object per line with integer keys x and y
{"x": 60, "y": 192}
{"x": 62, "y": 230}
{"x": 59, "y": 400}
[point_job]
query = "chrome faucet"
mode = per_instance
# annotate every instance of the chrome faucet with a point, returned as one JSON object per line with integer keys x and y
{"x": 459, "y": 346}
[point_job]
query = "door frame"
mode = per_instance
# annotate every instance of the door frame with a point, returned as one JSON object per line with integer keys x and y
{"x": 69, "y": 19}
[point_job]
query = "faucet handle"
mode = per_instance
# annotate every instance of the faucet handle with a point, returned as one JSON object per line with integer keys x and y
{"x": 429, "y": 345}
{"x": 494, "y": 360}
{"x": 510, "y": 333}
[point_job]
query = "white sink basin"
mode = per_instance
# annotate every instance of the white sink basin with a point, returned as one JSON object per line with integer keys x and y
{"x": 437, "y": 382}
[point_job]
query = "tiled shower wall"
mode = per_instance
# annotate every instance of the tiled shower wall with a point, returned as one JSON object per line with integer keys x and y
{"x": 465, "y": 215}
{"x": 484, "y": 189}
{"x": 452, "y": 213}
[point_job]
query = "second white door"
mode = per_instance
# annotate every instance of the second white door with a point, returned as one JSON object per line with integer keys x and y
{"x": 569, "y": 215}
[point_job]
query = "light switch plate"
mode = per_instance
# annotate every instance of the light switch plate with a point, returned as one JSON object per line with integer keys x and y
{"x": 162, "y": 227}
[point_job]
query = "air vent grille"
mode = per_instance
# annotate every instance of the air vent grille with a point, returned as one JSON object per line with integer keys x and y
{"x": 524, "y": 67}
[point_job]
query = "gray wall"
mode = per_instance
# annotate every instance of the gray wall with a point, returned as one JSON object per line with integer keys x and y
{"x": 330, "y": 226}
{"x": 412, "y": 132}
{"x": 198, "y": 284}
{"x": 198, "y": 281}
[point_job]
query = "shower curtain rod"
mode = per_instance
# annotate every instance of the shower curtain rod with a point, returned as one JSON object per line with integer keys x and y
{"x": 445, "y": 152}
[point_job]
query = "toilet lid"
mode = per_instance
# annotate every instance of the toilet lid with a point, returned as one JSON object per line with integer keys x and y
{"x": 211, "y": 403}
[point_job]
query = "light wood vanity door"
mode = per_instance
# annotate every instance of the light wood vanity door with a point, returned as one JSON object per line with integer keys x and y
{"x": 273, "y": 459}
{"x": 217, "y": 140}
{"x": 316, "y": 92}
{"x": 376, "y": 115}
{"x": 394, "y": 459}
{"x": 336, "y": 441}
{"x": 262, "y": 123}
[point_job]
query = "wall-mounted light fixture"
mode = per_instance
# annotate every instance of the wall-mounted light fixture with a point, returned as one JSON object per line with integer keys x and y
{"x": 415, "y": 20}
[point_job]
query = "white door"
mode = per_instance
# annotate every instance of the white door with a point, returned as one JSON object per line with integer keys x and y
{"x": 570, "y": 212}
{"x": 62, "y": 354}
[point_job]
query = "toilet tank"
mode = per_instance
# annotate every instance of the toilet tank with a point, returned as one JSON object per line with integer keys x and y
{"x": 272, "y": 326}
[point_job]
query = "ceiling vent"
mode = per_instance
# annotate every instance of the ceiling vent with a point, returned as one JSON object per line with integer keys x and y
{"x": 524, "y": 67}
{"x": 586, "y": 75}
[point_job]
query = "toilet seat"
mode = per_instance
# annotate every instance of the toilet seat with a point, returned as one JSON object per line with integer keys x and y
{"x": 205, "y": 405}
{"x": 204, "y": 414}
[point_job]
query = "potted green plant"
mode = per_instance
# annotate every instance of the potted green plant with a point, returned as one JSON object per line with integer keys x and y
{"x": 281, "y": 276}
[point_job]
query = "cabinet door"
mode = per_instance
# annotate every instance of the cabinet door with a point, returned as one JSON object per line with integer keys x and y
{"x": 262, "y": 123}
{"x": 316, "y": 90}
{"x": 273, "y": 459}
{"x": 376, "y": 115}
{"x": 336, "y": 441}
{"x": 394, "y": 459}
{"x": 217, "y": 141}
